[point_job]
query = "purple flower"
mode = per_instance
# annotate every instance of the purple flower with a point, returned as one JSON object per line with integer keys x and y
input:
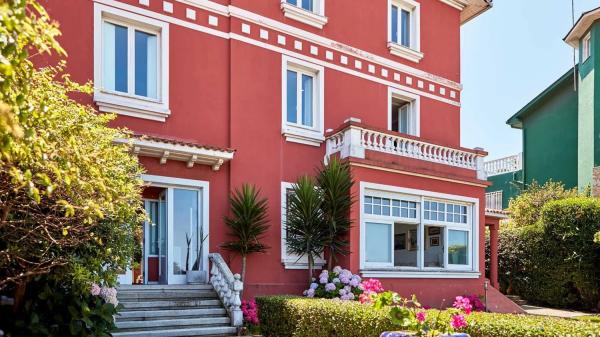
{"x": 348, "y": 289}
{"x": 95, "y": 291}
{"x": 345, "y": 280}
{"x": 343, "y": 292}
{"x": 323, "y": 280}
{"x": 354, "y": 282}
{"x": 337, "y": 269}
{"x": 336, "y": 280}
{"x": 310, "y": 293}
{"x": 314, "y": 286}
{"x": 330, "y": 287}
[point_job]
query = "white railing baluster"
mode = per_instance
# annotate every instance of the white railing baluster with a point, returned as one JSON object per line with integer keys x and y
{"x": 228, "y": 286}
{"x": 504, "y": 165}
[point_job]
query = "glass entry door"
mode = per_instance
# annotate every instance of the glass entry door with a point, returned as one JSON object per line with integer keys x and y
{"x": 155, "y": 241}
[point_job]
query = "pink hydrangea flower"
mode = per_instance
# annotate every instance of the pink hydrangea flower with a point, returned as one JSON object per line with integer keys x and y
{"x": 463, "y": 303}
{"x": 458, "y": 322}
{"x": 420, "y": 316}
{"x": 250, "y": 312}
{"x": 95, "y": 291}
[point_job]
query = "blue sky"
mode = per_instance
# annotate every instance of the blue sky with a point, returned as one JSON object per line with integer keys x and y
{"x": 509, "y": 55}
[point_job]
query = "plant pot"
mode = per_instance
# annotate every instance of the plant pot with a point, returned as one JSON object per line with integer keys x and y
{"x": 412, "y": 334}
{"x": 196, "y": 276}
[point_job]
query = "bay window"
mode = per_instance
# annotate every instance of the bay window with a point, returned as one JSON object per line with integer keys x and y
{"x": 404, "y": 233}
{"x": 131, "y": 64}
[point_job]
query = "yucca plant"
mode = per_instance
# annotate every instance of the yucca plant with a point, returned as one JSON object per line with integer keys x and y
{"x": 247, "y": 223}
{"x": 335, "y": 182}
{"x": 305, "y": 224}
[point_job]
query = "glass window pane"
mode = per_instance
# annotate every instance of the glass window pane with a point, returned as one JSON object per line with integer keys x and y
{"x": 308, "y": 5}
{"x": 114, "y": 66}
{"x": 427, "y": 215}
{"x": 145, "y": 64}
{"x": 458, "y": 242}
{"x": 434, "y": 248}
{"x": 369, "y": 199}
{"x": 186, "y": 240}
{"x": 153, "y": 227}
{"x": 377, "y": 210}
{"x": 385, "y": 201}
{"x": 307, "y": 100}
{"x": 395, "y": 211}
{"x": 377, "y": 241}
{"x": 426, "y": 205}
{"x": 405, "y": 245}
{"x": 368, "y": 209}
{"x": 405, "y": 212}
{"x": 292, "y": 96}
{"x": 394, "y": 24}
{"x": 396, "y": 203}
{"x": 385, "y": 210}
{"x": 377, "y": 201}
{"x": 413, "y": 213}
{"x": 405, "y": 39}
{"x": 292, "y": 2}
{"x": 404, "y": 119}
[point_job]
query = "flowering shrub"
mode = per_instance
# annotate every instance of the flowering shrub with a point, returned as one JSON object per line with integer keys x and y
{"x": 107, "y": 294}
{"x": 342, "y": 284}
{"x": 476, "y": 303}
{"x": 250, "y": 311}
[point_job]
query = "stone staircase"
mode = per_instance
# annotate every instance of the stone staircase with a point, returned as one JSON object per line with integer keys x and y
{"x": 170, "y": 311}
{"x": 517, "y": 299}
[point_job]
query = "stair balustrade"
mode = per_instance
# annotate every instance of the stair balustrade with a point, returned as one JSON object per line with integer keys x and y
{"x": 228, "y": 286}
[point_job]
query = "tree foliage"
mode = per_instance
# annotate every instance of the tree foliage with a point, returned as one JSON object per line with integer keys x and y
{"x": 247, "y": 224}
{"x": 69, "y": 198}
{"x": 526, "y": 208}
{"x": 335, "y": 181}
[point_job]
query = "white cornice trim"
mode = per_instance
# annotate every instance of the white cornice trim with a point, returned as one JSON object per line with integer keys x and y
{"x": 304, "y": 16}
{"x": 419, "y": 274}
{"x": 167, "y": 151}
{"x": 207, "y": 5}
{"x": 458, "y": 4}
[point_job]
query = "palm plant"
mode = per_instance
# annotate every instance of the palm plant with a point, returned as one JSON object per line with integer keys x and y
{"x": 305, "y": 225}
{"x": 335, "y": 182}
{"x": 247, "y": 224}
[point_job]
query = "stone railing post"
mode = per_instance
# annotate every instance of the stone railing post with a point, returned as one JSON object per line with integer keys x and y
{"x": 228, "y": 286}
{"x": 353, "y": 141}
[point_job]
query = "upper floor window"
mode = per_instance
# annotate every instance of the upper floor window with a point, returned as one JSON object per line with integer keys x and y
{"x": 587, "y": 47}
{"x": 310, "y": 12}
{"x": 131, "y": 64}
{"x": 302, "y": 101}
{"x": 404, "y": 29}
{"x": 403, "y": 112}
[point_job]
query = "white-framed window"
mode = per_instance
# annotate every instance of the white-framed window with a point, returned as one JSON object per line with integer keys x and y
{"x": 403, "y": 112}
{"x": 302, "y": 101}
{"x": 586, "y": 47}
{"x": 131, "y": 62}
{"x": 429, "y": 235}
{"x": 405, "y": 29}
{"x": 310, "y": 12}
{"x": 291, "y": 261}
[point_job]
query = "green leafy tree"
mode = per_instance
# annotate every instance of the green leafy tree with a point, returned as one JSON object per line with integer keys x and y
{"x": 307, "y": 231}
{"x": 248, "y": 223}
{"x": 526, "y": 208}
{"x": 335, "y": 182}
{"x": 69, "y": 198}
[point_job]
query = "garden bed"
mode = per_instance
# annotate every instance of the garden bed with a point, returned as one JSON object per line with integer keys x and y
{"x": 286, "y": 316}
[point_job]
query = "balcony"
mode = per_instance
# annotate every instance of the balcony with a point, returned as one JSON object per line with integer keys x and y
{"x": 358, "y": 140}
{"x": 504, "y": 165}
{"x": 494, "y": 206}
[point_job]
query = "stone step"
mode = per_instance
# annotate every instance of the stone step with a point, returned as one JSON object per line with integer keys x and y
{"x": 167, "y": 323}
{"x": 174, "y": 304}
{"x": 200, "y": 331}
{"x": 170, "y": 313}
{"x": 165, "y": 295}
{"x": 127, "y": 287}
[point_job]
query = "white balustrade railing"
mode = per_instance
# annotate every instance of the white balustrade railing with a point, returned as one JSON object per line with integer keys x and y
{"x": 354, "y": 140}
{"x": 504, "y": 165}
{"x": 228, "y": 286}
{"x": 493, "y": 201}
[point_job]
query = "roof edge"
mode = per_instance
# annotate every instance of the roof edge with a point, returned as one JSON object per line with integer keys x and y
{"x": 581, "y": 27}
{"x": 473, "y": 9}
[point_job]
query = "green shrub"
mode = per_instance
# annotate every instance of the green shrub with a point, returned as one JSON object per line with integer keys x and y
{"x": 284, "y": 316}
{"x": 555, "y": 261}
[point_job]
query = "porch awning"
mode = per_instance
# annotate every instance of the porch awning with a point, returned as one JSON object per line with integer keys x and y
{"x": 175, "y": 149}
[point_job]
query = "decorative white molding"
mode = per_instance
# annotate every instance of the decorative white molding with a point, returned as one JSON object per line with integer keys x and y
{"x": 168, "y": 7}
{"x": 207, "y": 5}
{"x": 213, "y": 20}
{"x": 398, "y": 273}
{"x": 504, "y": 165}
{"x": 458, "y": 4}
{"x": 190, "y": 14}
{"x": 187, "y": 153}
{"x": 302, "y": 15}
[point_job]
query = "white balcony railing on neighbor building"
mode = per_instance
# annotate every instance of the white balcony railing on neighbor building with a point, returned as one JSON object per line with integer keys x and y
{"x": 355, "y": 138}
{"x": 504, "y": 165}
{"x": 493, "y": 201}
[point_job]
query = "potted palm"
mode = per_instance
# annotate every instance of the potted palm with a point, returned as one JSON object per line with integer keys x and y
{"x": 247, "y": 224}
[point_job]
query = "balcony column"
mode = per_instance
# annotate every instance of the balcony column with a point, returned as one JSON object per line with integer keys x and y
{"x": 353, "y": 145}
{"x": 494, "y": 253}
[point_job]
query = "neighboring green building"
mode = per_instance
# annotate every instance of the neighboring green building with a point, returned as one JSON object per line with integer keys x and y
{"x": 561, "y": 127}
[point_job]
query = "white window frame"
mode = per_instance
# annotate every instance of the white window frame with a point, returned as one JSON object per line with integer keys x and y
{"x": 291, "y": 261}
{"x": 448, "y": 271}
{"x": 413, "y": 52}
{"x": 414, "y": 127}
{"x": 586, "y": 46}
{"x": 316, "y": 18}
{"x": 295, "y": 132}
{"x": 128, "y": 103}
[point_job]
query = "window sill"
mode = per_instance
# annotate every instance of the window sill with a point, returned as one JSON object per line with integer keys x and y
{"x": 404, "y": 52}
{"x": 395, "y": 273}
{"x": 301, "y": 264}
{"x": 302, "y": 15}
{"x": 131, "y": 106}
{"x": 303, "y": 136}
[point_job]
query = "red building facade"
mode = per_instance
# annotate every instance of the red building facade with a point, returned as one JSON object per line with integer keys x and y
{"x": 221, "y": 93}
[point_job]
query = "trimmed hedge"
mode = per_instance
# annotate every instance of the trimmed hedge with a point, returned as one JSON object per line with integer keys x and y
{"x": 555, "y": 261}
{"x": 286, "y": 316}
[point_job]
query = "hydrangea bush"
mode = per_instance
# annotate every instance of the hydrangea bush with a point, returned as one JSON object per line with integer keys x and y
{"x": 343, "y": 285}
